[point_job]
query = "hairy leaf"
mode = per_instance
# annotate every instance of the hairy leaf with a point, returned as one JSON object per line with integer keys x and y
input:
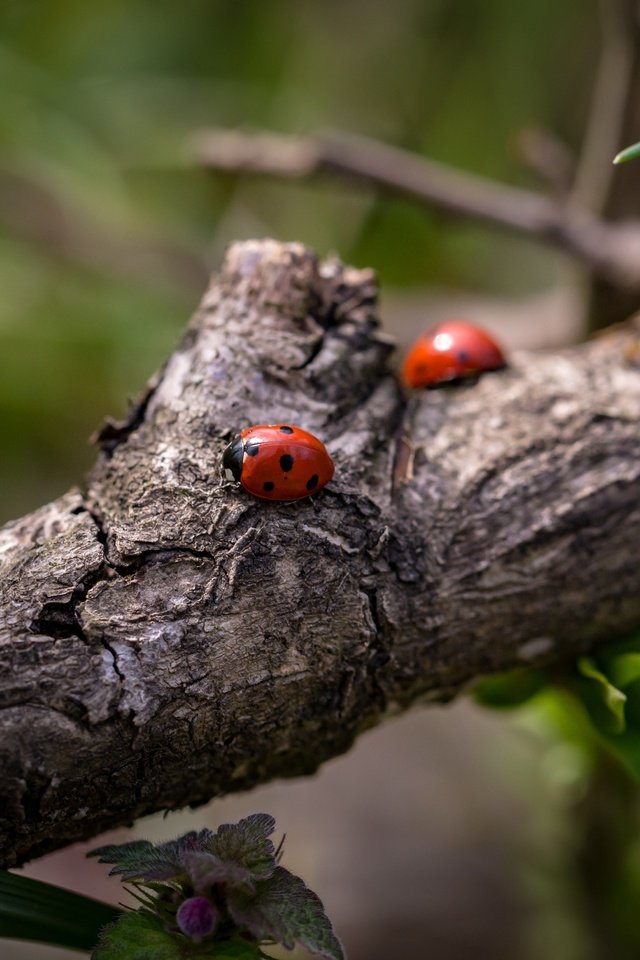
{"x": 32, "y": 910}
{"x": 247, "y": 843}
{"x": 142, "y": 860}
{"x": 285, "y": 910}
{"x": 138, "y": 936}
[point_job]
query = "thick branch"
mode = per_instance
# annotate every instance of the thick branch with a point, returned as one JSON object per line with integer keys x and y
{"x": 165, "y": 638}
{"x": 611, "y": 251}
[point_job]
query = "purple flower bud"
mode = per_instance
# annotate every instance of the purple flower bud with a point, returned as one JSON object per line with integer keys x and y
{"x": 197, "y": 918}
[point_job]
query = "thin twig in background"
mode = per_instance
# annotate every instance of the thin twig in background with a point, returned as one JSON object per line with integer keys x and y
{"x": 609, "y": 250}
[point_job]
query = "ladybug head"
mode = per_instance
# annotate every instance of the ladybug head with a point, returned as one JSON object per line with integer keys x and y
{"x": 232, "y": 459}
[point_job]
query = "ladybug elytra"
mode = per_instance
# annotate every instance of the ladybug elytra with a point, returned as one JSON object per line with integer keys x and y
{"x": 450, "y": 351}
{"x": 278, "y": 462}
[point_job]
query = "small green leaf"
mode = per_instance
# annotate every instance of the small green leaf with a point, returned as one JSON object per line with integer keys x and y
{"x": 604, "y": 701}
{"x": 285, "y": 910}
{"x": 31, "y": 910}
{"x": 629, "y": 153}
{"x": 137, "y": 936}
{"x": 140, "y": 936}
{"x": 142, "y": 860}
{"x": 136, "y": 860}
{"x": 506, "y": 690}
{"x": 623, "y": 669}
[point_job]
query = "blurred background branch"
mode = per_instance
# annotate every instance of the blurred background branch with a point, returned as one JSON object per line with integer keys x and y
{"x": 608, "y": 250}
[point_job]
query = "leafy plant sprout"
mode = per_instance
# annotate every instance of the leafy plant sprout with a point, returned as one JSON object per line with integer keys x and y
{"x": 219, "y": 894}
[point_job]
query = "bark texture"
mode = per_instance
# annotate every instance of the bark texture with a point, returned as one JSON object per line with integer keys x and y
{"x": 165, "y": 638}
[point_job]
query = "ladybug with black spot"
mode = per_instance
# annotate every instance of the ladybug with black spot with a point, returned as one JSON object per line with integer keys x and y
{"x": 451, "y": 351}
{"x": 278, "y": 462}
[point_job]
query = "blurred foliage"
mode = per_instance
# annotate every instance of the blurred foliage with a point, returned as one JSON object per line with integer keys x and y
{"x": 600, "y": 697}
{"x": 589, "y": 715}
{"x": 106, "y": 235}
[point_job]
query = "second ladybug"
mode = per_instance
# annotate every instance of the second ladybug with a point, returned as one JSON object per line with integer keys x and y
{"x": 450, "y": 351}
{"x": 278, "y": 462}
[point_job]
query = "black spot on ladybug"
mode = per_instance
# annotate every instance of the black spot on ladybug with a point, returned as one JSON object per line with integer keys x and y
{"x": 286, "y": 462}
{"x": 312, "y": 482}
{"x": 286, "y": 429}
{"x": 463, "y": 356}
{"x": 268, "y": 486}
{"x": 251, "y": 448}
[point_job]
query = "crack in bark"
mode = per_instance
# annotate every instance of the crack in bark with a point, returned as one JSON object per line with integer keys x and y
{"x": 59, "y": 619}
{"x": 31, "y": 798}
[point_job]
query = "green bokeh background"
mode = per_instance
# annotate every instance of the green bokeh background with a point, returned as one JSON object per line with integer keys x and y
{"x": 107, "y": 233}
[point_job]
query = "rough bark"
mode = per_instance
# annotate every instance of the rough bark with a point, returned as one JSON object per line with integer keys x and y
{"x": 166, "y": 638}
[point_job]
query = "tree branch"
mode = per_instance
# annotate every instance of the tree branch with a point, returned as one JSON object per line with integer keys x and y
{"x": 165, "y": 638}
{"x": 611, "y": 251}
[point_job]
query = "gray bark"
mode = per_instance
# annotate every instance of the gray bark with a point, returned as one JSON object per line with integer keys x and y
{"x": 165, "y": 637}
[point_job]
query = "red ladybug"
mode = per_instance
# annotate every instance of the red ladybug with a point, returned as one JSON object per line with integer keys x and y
{"x": 278, "y": 462}
{"x": 450, "y": 351}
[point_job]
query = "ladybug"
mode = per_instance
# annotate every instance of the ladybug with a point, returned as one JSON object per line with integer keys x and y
{"x": 278, "y": 462}
{"x": 450, "y": 351}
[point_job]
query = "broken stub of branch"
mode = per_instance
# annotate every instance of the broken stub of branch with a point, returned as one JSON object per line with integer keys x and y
{"x": 165, "y": 638}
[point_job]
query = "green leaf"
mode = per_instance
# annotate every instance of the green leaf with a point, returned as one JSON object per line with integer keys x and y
{"x": 31, "y": 910}
{"x": 506, "y": 690}
{"x": 140, "y": 936}
{"x": 623, "y": 669}
{"x": 246, "y": 843}
{"x": 604, "y": 701}
{"x": 137, "y": 936}
{"x": 138, "y": 860}
{"x": 142, "y": 860}
{"x": 629, "y": 153}
{"x": 285, "y": 910}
